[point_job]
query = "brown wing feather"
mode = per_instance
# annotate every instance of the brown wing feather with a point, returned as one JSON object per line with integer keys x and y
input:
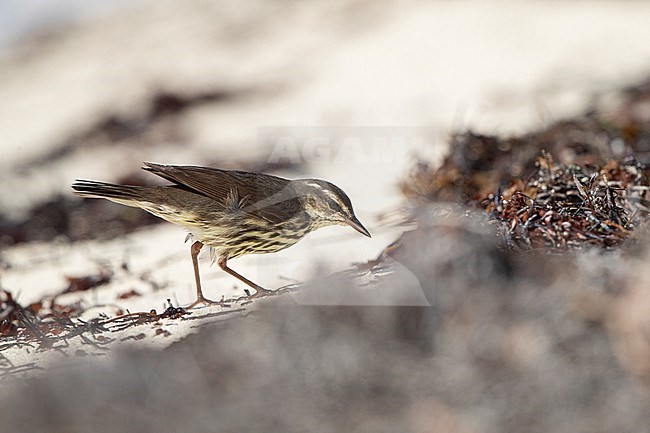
{"x": 271, "y": 198}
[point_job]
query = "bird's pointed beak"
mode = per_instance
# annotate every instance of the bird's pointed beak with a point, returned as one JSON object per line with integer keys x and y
{"x": 355, "y": 224}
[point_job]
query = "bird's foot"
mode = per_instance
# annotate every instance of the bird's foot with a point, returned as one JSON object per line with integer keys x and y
{"x": 205, "y": 302}
{"x": 261, "y": 292}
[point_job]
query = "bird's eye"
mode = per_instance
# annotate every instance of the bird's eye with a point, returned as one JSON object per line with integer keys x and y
{"x": 333, "y": 206}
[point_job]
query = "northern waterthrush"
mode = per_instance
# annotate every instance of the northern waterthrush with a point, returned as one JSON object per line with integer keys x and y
{"x": 233, "y": 212}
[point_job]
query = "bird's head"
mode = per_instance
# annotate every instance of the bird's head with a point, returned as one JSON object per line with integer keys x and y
{"x": 327, "y": 204}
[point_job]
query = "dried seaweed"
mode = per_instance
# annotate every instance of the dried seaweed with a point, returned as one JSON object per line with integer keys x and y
{"x": 576, "y": 183}
{"x": 46, "y": 328}
{"x": 87, "y": 282}
{"x": 570, "y": 206}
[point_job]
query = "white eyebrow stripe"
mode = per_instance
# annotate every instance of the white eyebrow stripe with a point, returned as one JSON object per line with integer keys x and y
{"x": 331, "y": 195}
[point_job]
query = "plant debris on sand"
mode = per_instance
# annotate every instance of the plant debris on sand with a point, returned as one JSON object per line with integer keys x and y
{"x": 570, "y": 206}
{"x": 577, "y": 183}
{"x": 44, "y": 328}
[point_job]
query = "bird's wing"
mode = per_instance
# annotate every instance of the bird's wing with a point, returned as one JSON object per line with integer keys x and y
{"x": 268, "y": 197}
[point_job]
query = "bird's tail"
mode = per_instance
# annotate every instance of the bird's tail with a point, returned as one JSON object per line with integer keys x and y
{"x": 124, "y": 194}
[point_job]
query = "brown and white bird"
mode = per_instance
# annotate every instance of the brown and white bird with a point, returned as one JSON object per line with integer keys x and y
{"x": 233, "y": 212}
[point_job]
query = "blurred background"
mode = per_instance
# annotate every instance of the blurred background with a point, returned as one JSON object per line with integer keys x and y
{"x": 355, "y": 92}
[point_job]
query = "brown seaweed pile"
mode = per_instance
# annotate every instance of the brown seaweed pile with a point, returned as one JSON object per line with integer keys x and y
{"x": 46, "y": 328}
{"x": 572, "y": 206}
{"x": 576, "y": 183}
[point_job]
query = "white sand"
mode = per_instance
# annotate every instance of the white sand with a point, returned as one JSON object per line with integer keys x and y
{"x": 424, "y": 68}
